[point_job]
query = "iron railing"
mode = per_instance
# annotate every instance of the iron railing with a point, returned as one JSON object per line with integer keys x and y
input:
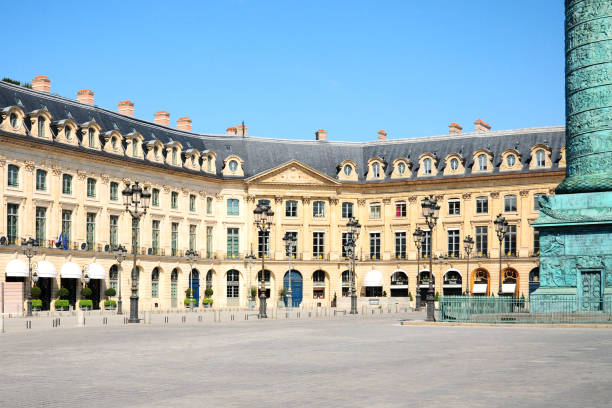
{"x": 537, "y": 309}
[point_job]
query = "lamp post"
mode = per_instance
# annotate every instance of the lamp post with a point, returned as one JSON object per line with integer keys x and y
{"x": 30, "y": 250}
{"x": 120, "y": 254}
{"x": 290, "y": 243}
{"x": 430, "y": 212}
{"x": 468, "y": 245}
{"x": 418, "y": 236}
{"x": 192, "y": 257}
{"x": 136, "y": 201}
{"x": 501, "y": 228}
{"x": 250, "y": 259}
{"x": 353, "y": 234}
{"x": 263, "y": 222}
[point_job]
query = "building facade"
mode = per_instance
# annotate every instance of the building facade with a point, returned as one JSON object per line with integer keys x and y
{"x": 64, "y": 164}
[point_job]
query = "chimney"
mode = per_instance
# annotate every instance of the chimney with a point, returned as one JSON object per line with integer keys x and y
{"x": 321, "y": 134}
{"x": 162, "y": 118}
{"x": 240, "y": 130}
{"x": 481, "y": 126}
{"x": 454, "y": 128}
{"x": 85, "y": 96}
{"x": 126, "y": 108}
{"x": 382, "y": 135}
{"x": 184, "y": 123}
{"x": 41, "y": 83}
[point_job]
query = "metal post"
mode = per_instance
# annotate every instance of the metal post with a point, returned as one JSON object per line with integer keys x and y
{"x": 499, "y": 291}
{"x": 191, "y": 286}
{"x": 289, "y": 293}
{"x": 417, "y": 295}
{"x": 119, "y": 301}
{"x": 430, "y": 291}
{"x": 467, "y": 283}
{"x": 353, "y": 288}
{"x": 29, "y": 285}
{"x": 262, "y": 295}
{"x": 134, "y": 295}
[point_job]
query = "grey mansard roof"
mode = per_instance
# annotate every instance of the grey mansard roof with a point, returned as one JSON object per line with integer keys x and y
{"x": 261, "y": 154}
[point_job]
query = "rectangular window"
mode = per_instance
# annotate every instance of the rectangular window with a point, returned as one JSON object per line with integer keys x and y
{"x": 426, "y": 245}
{"x": 41, "y": 225}
{"x": 13, "y": 176}
{"x": 114, "y": 191}
{"x": 375, "y": 211}
{"x": 91, "y": 138}
{"x": 155, "y": 288}
{"x": 453, "y": 243}
{"x": 155, "y": 197}
{"x": 482, "y": 239}
{"x": 536, "y": 243}
{"x": 536, "y": 202}
{"x": 294, "y": 235}
{"x": 232, "y": 206}
{"x": 91, "y": 187}
{"x": 67, "y": 225}
{"x": 135, "y": 234}
{"x": 174, "y": 200}
{"x": 134, "y": 148}
{"x": 263, "y": 244}
{"x": 41, "y": 180}
{"x": 174, "y": 238}
{"x": 155, "y": 237}
{"x": 232, "y": 243}
{"x": 509, "y": 203}
{"x": 374, "y": 245}
{"x": 192, "y": 203}
{"x": 318, "y": 209}
{"x": 91, "y": 231}
{"x": 347, "y": 210}
{"x": 291, "y": 208}
{"x": 318, "y": 245}
{"x": 482, "y": 205}
{"x": 192, "y": 237}
{"x": 209, "y": 242}
{"x": 400, "y": 244}
{"x": 345, "y": 236}
{"x": 400, "y": 209}
{"x": 114, "y": 231}
{"x": 454, "y": 206}
{"x": 209, "y": 205}
{"x": 12, "y": 222}
{"x": 67, "y": 184}
{"x": 510, "y": 241}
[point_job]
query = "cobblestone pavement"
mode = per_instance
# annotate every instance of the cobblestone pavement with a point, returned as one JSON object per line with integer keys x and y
{"x": 339, "y": 362}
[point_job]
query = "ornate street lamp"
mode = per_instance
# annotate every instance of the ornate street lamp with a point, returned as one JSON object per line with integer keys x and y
{"x": 468, "y": 245}
{"x": 263, "y": 222}
{"x": 136, "y": 201}
{"x": 120, "y": 254}
{"x": 30, "y": 250}
{"x": 430, "y": 212}
{"x": 192, "y": 257}
{"x": 290, "y": 243}
{"x": 349, "y": 248}
{"x": 418, "y": 236}
{"x": 250, "y": 259}
{"x": 501, "y": 228}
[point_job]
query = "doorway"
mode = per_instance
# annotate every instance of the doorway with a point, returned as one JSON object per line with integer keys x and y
{"x": 45, "y": 285}
{"x": 94, "y": 285}
{"x": 71, "y": 285}
{"x": 296, "y": 287}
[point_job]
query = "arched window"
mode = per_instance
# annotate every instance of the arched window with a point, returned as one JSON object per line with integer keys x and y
{"x": 376, "y": 170}
{"x": 482, "y": 162}
{"x": 318, "y": 285}
{"x": 174, "y": 287}
{"x": 195, "y": 274}
{"x": 68, "y": 132}
{"x": 209, "y": 279}
{"x": 510, "y": 160}
{"x": 155, "y": 283}
{"x": 427, "y": 166}
{"x": 401, "y": 167}
{"x": 14, "y": 121}
{"x": 348, "y": 169}
{"x": 399, "y": 284}
{"x": 113, "y": 275}
{"x": 41, "y": 126}
{"x": 481, "y": 282}
{"x": 540, "y": 158}
{"x": 13, "y": 176}
{"x": 318, "y": 277}
{"x": 346, "y": 283}
{"x": 454, "y": 164}
{"x": 233, "y": 284}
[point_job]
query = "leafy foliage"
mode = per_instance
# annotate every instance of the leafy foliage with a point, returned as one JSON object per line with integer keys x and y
{"x": 63, "y": 293}
{"x": 61, "y": 303}
{"x": 86, "y": 292}
{"x": 208, "y": 292}
{"x": 207, "y": 301}
{"x": 37, "y": 303}
{"x": 85, "y": 303}
{"x": 110, "y": 292}
{"x": 35, "y": 291}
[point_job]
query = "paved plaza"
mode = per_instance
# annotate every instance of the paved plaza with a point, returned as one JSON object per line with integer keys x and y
{"x": 340, "y": 362}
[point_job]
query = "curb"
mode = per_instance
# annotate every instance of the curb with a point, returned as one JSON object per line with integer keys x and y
{"x": 534, "y": 325}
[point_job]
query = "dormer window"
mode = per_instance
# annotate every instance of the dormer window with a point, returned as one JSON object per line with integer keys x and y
{"x": 209, "y": 164}
{"x": 510, "y": 160}
{"x": 41, "y": 126}
{"x": 233, "y": 165}
{"x": 193, "y": 161}
{"x": 91, "y": 138}
{"x": 114, "y": 143}
{"x": 401, "y": 167}
{"x": 14, "y": 120}
{"x": 348, "y": 169}
{"x": 482, "y": 162}
{"x": 540, "y": 158}
{"x": 427, "y": 166}
{"x": 376, "y": 170}
{"x": 454, "y": 164}
{"x": 174, "y": 156}
{"x": 68, "y": 132}
{"x": 156, "y": 151}
{"x": 134, "y": 148}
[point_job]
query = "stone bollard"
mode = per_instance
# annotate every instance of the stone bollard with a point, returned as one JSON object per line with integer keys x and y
{"x": 147, "y": 317}
{"x": 80, "y": 318}
{"x": 1, "y": 324}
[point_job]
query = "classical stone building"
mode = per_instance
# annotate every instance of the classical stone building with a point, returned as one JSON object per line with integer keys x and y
{"x": 64, "y": 164}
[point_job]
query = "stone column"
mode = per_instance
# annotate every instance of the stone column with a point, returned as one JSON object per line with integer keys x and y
{"x": 588, "y": 95}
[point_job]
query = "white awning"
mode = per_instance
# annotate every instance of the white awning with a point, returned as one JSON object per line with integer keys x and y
{"x": 45, "y": 269}
{"x": 17, "y": 268}
{"x": 508, "y": 287}
{"x": 95, "y": 271}
{"x": 452, "y": 285}
{"x": 71, "y": 270}
{"x": 479, "y": 288}
{"x": 373, "y": 278}
{"x": 399, "y": 286}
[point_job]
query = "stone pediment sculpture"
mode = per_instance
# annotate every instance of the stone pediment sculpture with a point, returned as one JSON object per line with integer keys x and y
{"x": 292, "y": 172}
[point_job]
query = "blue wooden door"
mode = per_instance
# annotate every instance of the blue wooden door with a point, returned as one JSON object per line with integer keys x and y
{"x": 196, "y": 291}
{"x": 296, "y": 287}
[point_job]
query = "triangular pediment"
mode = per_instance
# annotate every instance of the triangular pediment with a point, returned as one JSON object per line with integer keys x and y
{"x": 292, "y": 172}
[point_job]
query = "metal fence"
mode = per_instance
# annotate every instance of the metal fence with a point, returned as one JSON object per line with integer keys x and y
{"x": 484, "y": 309}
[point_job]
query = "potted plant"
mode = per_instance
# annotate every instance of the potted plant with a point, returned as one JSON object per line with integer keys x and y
{"x": 253, "y": 298}
{"x": 384, "y": 293}
{"x": 436, "y": 297}
{"x": 86, "y": 303}
{"x": 282, "y": 293}
{"x": 35, "y": 291}
{"x": 62, "y": 303}
{"x": 188, "y": 294}
{"x": 110, "y": 304}
{"x": 207, "y": 302}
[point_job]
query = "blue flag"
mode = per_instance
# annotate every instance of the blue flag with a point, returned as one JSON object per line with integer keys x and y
{"x": 58, "y": 242}
{"x": 65, "y": 242}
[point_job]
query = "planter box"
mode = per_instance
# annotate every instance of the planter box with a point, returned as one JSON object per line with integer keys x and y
{"x": 36, "y": 309}
{"x": 62, "y": 309}
{"x": 85, "y": 308}
{"x": 110, "y": 307}
{"x": 207, "y": 306}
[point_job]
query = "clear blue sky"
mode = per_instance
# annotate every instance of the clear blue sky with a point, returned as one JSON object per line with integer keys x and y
{"x": 288, "y": 68}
